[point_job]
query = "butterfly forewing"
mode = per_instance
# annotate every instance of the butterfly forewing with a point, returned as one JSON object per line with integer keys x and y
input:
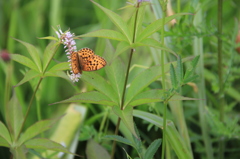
{"x": 86, "y": 61}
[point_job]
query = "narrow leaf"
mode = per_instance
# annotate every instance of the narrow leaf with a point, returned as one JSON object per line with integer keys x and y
{"x": 145, "y": 78}
{"x": 5, "y": 135}
{"x": 190, "y": 79}
{"x": 153, "y": 43}
{"x": 117, "y": 20}
{"x": 36, "y": 129}
{"x": 60, "y": 67}
{"x": 32, "y": 50}
{"x": 48, "y": 54}
{"x": 3, "y": 142}
{"x": 106, "y": 33}
{"x": 50, "y": 38}
{"x": 172, "y": 135}
{"x": 46, "y": 144}
{"x": 89, "y": 97}
{"x": 121, "y": 47}
{"x": 117, "y": 78}
{"x": 96, "y": 151}
{"x": 118, "y": 139}
{"x": 157, "y": 25}
{"x": 57, "y": 74}
{"x": 179, "y": 70}
{"x": 149, "y": 96}
{"x": 24, "y": 61}
{"x": 141, "y": 81}
{"x": 28, "y": 76}
{"x": 127, "y": 118}
{"x": 14, "y": 117}
{"x": 173, "y": 77}
{"x": 151, "y": 150}
{"x": 100, "y": 84}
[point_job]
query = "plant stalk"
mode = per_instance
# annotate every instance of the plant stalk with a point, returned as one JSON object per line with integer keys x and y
{"x": 29, "y": 107}
{"x": 125, "y": 83}
{"x": 164, "y": 5}
{"x": 220, "y": 75}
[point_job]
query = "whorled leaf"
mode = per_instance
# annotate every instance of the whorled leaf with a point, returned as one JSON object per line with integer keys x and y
{"x": 118, "y": 21}
{"x": 89, "y": 97}
{"x": 106, "y": 33}
{"x": 127, "y": 118}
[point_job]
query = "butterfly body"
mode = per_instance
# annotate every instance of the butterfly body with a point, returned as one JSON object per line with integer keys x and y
{"x": 86, "y": 60}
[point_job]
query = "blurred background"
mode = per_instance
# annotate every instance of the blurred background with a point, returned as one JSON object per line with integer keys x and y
{"x": 28, "y": 20}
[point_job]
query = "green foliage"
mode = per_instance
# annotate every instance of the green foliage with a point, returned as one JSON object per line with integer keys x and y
{"x": 129, "y": 90}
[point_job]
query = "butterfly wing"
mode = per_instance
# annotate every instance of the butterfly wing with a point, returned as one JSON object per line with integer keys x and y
{"x": 89, "y": 61}
{"x": 75, "y": 63}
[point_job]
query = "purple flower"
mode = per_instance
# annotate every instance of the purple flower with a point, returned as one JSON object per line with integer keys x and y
{"x": 66, "y": 38}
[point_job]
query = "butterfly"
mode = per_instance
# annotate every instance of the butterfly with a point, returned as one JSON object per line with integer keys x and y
{"x": 86, "y": 60}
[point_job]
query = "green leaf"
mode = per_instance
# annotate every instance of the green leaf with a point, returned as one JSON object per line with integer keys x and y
{"x": 127, "y": 118}
{"x": 190, "y": 79}
{"x": 14, "y": 117}
{"x": 141, "y": 81}
{"x": 121, "y": 47}
{"x": 89, "y": 97}
{"x": 49, "y": 52}
{"x": 60, "y": 67}
{"x": 5, "y": 135}
{"x": 145, "y": 78}
{"x": 151, "y": 150}
{"x": 118, "y": 21}
{"x": 156, "y": 25}
{"x": 3, "y": 142}
{"x": 173, "y": 77}
{"x": 140, "y": 15}
{"x": 36, "y": 129}
{"x": 35, "y": 153}
{"x": 149, "y": 96}
{"x": 153, "y": 43}
{"x": 172, "y": 135}
{"x": 28, "y": 76}
{"x": 50, "y": 38}
{"x": 96, "y": 151}
{"x": 33, "y": 53}
{"x": 189, "y": 75}
{"x": 57, "y": 74}
{"x": 106, "y": 33}
{"x": 46, "y": 144}
{"x": 100, "y": 84}
{"x": 118, "y": 139}
{"x": 195, "y": 62}
{"x": 24, "y": 61}
{"x": 179, "y": 70}
{"x": 117, "y": 78}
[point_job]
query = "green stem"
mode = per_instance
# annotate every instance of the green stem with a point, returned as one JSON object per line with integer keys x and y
{"x": 220, "y": 75}
{"x": 125, "y": 83}
{"x": 29, "y": 107}
{"x": 164, "y": 5}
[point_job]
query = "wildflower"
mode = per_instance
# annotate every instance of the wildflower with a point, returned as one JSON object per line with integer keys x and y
{"x": 4, "y": 54}
{"x": 69, "y": 43}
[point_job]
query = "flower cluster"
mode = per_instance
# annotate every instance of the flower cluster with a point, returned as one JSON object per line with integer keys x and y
{"x": 69, "y": 43}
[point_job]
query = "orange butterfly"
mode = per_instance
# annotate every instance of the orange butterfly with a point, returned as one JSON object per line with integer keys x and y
{"x": 86, "y": 60}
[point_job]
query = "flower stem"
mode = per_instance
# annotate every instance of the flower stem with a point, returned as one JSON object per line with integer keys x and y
{"x": 29, "y": 107}
{"x": 220, "y": 75}
{"x": 164, "y": 5}
{"x": 125, "y": 83}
